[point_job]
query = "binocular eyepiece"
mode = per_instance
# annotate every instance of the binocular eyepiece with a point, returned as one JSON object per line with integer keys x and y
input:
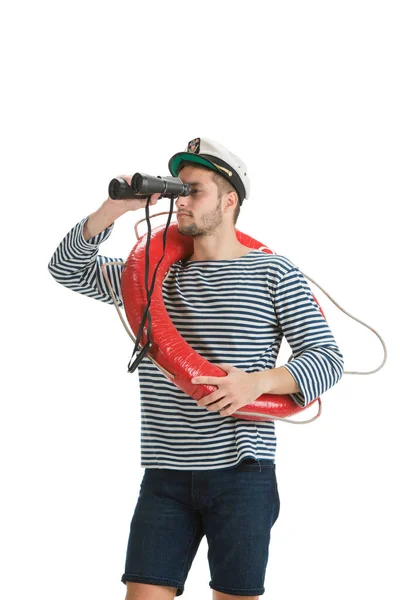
{"x": 143, "y": 185}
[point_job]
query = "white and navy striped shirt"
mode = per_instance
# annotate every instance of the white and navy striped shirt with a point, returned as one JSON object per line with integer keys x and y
{"x": 233, "y": 311}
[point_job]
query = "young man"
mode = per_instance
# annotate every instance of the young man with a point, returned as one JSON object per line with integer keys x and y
{"x": 207, "y": 472}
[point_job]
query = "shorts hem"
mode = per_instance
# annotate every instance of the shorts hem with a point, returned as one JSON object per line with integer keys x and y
{"x": 237, "y": 591}
{"x": 154, "y": 580}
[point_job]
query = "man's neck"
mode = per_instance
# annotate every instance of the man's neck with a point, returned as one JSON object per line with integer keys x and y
{"x": 241, "y": 251}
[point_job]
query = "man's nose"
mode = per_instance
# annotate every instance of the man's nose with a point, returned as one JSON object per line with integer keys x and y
{"x": 180, "y": 202}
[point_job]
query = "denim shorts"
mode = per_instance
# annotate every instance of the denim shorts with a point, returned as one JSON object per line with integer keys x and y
{"x": 235, "y": 508}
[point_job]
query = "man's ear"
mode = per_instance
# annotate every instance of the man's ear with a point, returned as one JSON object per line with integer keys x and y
{"x": 230, "y": 199}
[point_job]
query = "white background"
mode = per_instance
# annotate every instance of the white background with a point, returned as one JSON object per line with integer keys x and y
{"x": 307, "y": 93}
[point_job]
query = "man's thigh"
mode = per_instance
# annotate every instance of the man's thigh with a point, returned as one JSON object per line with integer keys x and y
{"x": 243, "y": 506}
{"x": 166, "y": 531}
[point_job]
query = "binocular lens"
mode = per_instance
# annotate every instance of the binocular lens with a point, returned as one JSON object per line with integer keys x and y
{"x": 137, "y": 183}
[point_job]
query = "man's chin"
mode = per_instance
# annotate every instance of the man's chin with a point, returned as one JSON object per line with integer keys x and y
{"x": 186, "y": 231}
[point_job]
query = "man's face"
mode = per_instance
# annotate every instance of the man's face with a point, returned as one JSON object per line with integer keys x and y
{"x": 202, "y": 205}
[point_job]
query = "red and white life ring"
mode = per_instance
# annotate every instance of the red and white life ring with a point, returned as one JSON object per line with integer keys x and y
{"x": 169, "y": 351}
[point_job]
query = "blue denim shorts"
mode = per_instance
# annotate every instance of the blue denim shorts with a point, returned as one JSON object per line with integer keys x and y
{"x": 235, "y": 508}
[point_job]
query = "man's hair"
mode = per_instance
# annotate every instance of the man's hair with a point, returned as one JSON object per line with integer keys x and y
{"x": 223, "y": 185}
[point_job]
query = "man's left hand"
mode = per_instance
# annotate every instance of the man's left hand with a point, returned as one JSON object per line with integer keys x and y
{"x": 235, "y": 390}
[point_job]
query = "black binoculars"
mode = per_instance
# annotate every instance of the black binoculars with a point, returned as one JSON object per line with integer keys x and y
{"x": 143, "y": 185}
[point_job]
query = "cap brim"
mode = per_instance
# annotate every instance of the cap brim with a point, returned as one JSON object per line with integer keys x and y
{"x": 175, "y": 161}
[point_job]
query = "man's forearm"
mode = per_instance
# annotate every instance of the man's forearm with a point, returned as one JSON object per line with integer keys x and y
{"x": 102, "y": 218}
{"x": 277, "y": 381}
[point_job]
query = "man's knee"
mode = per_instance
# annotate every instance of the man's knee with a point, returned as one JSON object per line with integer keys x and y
{"x": 148, "y": 591}
{"x": 222, "y": 596}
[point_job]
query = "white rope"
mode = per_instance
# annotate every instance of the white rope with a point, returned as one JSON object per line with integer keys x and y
{"x": 362, "y": 323}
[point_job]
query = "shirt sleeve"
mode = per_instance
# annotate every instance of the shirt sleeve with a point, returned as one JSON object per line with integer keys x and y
{"x": 317, "y": 362}
{"x": 76, "y": 265}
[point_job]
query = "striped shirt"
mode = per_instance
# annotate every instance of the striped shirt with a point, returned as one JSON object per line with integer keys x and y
{"x": 233, "y": 311}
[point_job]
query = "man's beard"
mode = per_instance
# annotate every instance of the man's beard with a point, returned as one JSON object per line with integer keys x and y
{"x": 209, "y": 224}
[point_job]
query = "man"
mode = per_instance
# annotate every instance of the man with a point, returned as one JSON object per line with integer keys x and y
{"x": 207, "y": 472}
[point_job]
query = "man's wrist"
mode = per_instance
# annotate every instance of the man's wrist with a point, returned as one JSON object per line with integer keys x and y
{"x": 262, "y": 379}
{"x": 276, "y": 381}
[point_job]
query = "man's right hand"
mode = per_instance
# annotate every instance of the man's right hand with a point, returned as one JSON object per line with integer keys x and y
{"x": 111, "y": 210}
